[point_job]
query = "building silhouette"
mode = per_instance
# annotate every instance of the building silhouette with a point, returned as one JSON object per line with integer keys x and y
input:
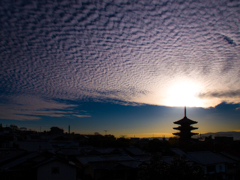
{"x": 185, "y": 128}
{"x": 56, "y": 130}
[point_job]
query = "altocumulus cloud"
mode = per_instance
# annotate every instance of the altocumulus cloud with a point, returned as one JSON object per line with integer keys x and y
{"x": 124, "y": 50}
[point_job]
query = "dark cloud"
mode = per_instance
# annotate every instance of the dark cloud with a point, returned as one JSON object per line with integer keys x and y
{"x": 229, "y": 40}
{"x": 221, "y": 94}
{"x": 24, "y": 108}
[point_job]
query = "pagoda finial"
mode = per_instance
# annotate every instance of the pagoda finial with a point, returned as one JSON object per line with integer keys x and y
{"x": 185, "y": 111}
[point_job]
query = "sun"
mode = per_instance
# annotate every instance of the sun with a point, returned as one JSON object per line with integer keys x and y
{"x": 184, "y": 93}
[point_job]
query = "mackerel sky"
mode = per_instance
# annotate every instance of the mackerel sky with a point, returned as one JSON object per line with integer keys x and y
{"x": 125, "y": 66}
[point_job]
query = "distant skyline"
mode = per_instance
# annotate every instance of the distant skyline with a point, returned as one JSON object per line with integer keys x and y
{"x": 122, "y": 66}
{"x": 135, "y": 121}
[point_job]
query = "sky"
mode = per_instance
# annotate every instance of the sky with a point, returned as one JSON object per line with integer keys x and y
{"x": 120, "y": 67}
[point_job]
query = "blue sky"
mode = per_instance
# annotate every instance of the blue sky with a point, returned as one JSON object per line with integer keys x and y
{"x": 130, "y": 120}
{"x": 128, "y": 67}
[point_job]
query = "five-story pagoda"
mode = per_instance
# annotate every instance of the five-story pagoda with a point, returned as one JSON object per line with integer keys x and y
{"x": 185, "y": 127}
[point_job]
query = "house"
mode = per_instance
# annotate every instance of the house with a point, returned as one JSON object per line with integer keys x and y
{"x": 33, "y": 146}
{"x": 120, "y": 166}
{"x": 56, "y": 169}
{"x": 214, "y": 165}
{"x": 133, "y": 151}
{"x": 56, "y": 130}
{"x": 232, "y": 170}
{"x": 111, "y": 170}
{"x": 83, "y": 160}
{"x": 38, "y": 166}
{"x": 61, "y": 141}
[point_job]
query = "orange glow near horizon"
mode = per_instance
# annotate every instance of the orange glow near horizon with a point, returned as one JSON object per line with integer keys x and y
{"x": 147, "y": 135}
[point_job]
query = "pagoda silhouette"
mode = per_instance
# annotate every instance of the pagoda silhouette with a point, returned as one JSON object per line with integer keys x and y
{"x": 185, "y": 128}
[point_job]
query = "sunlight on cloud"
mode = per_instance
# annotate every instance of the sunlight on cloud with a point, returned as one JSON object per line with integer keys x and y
{"x": 183, "y": 94}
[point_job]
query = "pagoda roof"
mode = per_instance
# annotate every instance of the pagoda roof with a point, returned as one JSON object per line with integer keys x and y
{"x": 181, "y": 133}
{"x": 183, "y": 128}
{"x": 185, "y": 120}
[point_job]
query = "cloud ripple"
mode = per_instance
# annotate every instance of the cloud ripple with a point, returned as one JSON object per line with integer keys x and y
{"x": 117, "y": 49}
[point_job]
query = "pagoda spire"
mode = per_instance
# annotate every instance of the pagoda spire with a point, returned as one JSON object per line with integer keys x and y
{"x": 185, "y": 111}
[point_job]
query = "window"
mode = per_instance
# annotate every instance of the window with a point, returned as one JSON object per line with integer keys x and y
{"x": 220, "y": 168}
{"x": 211, "y": 168}
{"x": 55, "y": 170}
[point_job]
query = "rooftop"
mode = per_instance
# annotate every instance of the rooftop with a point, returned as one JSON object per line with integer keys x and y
{"x": 185, "y": 120}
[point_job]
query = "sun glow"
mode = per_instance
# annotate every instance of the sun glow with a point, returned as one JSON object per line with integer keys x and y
{"x": 184, "y": 94}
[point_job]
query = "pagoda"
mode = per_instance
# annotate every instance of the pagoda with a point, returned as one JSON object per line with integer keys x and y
{"x": 185, "y": 127}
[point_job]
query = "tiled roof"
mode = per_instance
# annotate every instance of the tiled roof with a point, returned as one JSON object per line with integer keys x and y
{"x": 178, "y": 151}
{"x": 87, "y": 159}
{"x": 34, "y": 145}
{"x": 135, "y": 151}
{"x": 117, "y": 158}
{"x": 207, "y": 158}
{"x": 18, "y": 161}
